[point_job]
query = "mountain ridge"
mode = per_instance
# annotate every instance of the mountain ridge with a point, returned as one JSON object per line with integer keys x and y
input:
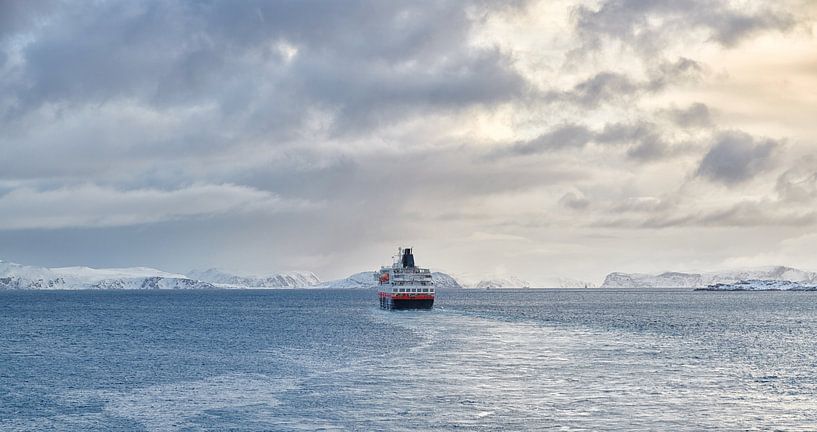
{"x": 699, "y": 280}
{"x": 22, "y": 277}
{"x": 294, "y": 279}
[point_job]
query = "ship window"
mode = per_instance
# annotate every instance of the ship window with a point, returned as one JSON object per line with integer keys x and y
{"x": 394, "y": 290}
{"x": 432, "y": 289}
{"x": 425, "y": 289}
{"x": 402, "y": 290}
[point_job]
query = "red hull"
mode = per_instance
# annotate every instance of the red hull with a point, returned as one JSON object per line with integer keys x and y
{"x": 406, "y": 300}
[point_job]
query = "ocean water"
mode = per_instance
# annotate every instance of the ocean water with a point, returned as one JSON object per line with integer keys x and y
{"x": 481, "y": 360}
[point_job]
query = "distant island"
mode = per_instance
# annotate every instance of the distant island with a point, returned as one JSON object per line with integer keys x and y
{"x": 704, "y": 280}
{"x": 760, "y": 285}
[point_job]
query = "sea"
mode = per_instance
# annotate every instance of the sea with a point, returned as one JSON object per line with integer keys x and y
{"x": 331, "y": 360}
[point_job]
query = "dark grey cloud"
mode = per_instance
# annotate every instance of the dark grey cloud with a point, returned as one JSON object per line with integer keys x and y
{"x": 736, "y": 156}
{"x": 648, "y": 26}
{"x": 19, "y": 15}
{"x": 362, "y": 61}
{"x": 164, "y": 94}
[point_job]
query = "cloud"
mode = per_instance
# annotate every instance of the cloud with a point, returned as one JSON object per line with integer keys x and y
{"x": 680, "y": 71}
{"x": 736, "y": 157}
{"x": 649, "y": 26}
{"x": 361, "y": 64}
{"x": 798, "y": 184}
{"x": 696, "y": 115}
{"x": 742, "y": 214}
{"x": 93, "y": 206}
{"x": 643, "y": 140}
{"x": 650, "y": 148}
{"x": 17, "y": 15}
{"x": 641, "y": 204}
{"x": 575, "y": 201}
{"x": 758, "y": 213}
{"x": 611, "y": 88}
{"x": 259, "y": 132}
{"x": 603, "y": 87}
{"x": 561, "y": 137}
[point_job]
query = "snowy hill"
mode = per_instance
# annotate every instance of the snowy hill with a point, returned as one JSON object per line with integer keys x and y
{"x": 21, "y": 277}
{"x": 449, "y": 281}
{"x": 511, "y": 281}
{"x": 356, "y": 281}
{"x": 663, "y": 280}
{"x": 366, "y": 280}
{"x": 445, "y": 281}
{"x": 281, "y": 280}
{"x": 503, "y": 282}
{"x": 700, "y": 280}
{"x": 760, "y": 285}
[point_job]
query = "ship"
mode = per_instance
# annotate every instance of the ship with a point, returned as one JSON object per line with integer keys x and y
{"x": 403, "y": 285}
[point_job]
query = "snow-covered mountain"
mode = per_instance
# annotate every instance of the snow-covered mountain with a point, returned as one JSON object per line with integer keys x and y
{"x": 366, "y": 280}
{"x": 17, "y": 276}
{"x": 280, "y": 280}
{"x": 663, "y": 280}
{"x": 506, "y": 281}
{"x": 356, "y": 281}
{"x": 503, "y": 282}
{"x": 449, "y": 281}
{"x": 760, "y": 285}
{"x": 700, "y": 280}
{"x": 445, "y": 281}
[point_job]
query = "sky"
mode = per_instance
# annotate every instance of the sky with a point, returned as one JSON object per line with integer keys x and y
{"x": 526, "y": 138}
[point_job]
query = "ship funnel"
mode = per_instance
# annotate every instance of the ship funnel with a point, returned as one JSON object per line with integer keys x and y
{"x": 408, "y": 258}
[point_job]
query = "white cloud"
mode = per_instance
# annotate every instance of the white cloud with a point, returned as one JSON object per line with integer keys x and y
{"x": 93, "y": 206}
